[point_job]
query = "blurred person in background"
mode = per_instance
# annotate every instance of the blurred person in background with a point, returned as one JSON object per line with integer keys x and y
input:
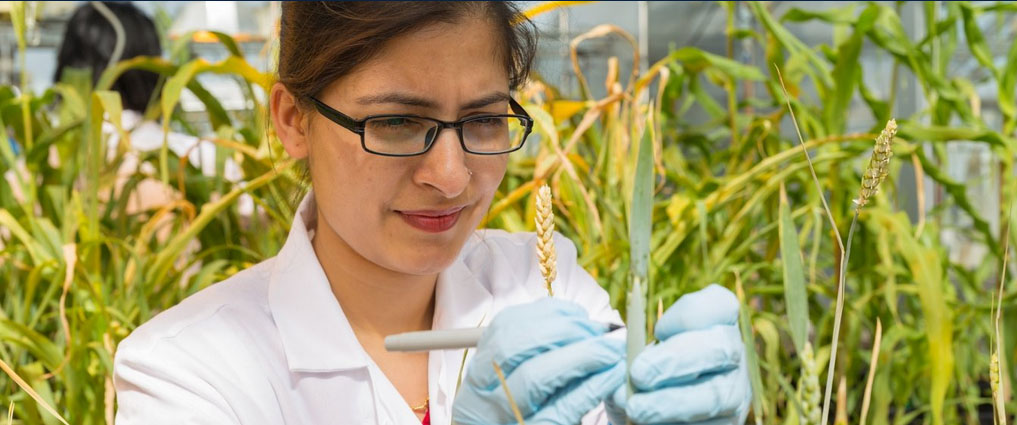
{"x": 89, "y": 42}
{"x": 402, "y": 111}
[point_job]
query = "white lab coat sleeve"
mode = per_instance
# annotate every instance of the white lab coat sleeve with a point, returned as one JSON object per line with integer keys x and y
{"x": 153, "y": 390}
{"x": 576, "y": 285}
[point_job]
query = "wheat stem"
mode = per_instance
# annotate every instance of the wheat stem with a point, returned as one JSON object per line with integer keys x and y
{"x": 31, "y": 392}
{"x": 840, "y": 244}
{"x": 508, "y": 394}
{"x": 841, "y": 418}
{"x": 873, "y": 359}
{"x": 996, "y": 377}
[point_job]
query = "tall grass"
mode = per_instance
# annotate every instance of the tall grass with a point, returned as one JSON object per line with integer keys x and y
{"x": 725, "y": 199}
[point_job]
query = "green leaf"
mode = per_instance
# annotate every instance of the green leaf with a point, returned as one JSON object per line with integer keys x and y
{"x": 641, "y": 216}
{"x": 795, "y": 293}
{"x": 1008, "y": 90}
{"x": 704, "y": 99}
{"x": 759, "y": 399}
{"x": 113, "y": 108}
{"x": 184, "y": 76}
{"x": 936, "y": 133}
{"x": 796, "y": 47}
{"x": 697, "y": 60}
{"x": 927, "y": 270}
{"x": 229, "y": 43}
{"x": 837, "y": 15}
{"x": 845, "y": 73}
{"x": 35, "y": 249}
{"x": 640, "y": 227}
{"x": 39, "y": 345}
{"x": 976, "y": 40}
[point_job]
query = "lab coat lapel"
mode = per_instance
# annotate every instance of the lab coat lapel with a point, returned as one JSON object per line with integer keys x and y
{"x": 462, "y": 300}
{"x": 315, "y": 333}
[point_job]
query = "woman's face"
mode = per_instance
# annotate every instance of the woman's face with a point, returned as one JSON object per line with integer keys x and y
{"x": 411, "y": 215}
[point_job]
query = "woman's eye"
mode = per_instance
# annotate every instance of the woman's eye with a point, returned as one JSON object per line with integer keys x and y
{"x": 489, "y": 121}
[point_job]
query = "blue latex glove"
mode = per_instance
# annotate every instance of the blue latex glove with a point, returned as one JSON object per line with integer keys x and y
{"x": 696, "y": 373}
{"x": 558, "y": 365}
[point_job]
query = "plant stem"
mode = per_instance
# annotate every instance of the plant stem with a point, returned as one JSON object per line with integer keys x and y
{"x": 508, "y": 394}
{"x": 872, "y": 371}
{"x": 839, "y": 313}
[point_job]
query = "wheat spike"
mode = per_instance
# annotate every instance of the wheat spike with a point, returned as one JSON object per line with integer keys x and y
{"x": 994, "y": 375}
{"x": 545, "y": 237}
{"x": 878, "y": 164}
{"x": 809, "y": 395}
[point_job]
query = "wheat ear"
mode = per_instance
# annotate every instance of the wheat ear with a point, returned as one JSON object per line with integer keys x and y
{"x": 809, "y": 396}
{"x": 874, "y": 174}
{"x": 545, "y": 237}
{"x": 879, "y": 164}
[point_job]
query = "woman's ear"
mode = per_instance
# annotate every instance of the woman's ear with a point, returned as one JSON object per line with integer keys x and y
{"x": 289, "y": 121}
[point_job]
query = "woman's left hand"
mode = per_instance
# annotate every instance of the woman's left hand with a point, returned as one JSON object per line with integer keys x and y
{"x": 697, "y": 373}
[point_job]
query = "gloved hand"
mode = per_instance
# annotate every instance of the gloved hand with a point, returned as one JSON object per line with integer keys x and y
{"x": 558, "y": 365}
{"x": 696, "y": 373}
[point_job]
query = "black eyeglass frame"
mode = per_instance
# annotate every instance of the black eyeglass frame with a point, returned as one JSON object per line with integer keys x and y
{"x": 359, "y": 126}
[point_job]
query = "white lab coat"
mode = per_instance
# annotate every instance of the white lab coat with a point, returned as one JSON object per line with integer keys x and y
{"x": 271, "y": 344}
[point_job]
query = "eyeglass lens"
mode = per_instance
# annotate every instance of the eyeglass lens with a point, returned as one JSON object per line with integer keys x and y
{"x": 408, "y": 135}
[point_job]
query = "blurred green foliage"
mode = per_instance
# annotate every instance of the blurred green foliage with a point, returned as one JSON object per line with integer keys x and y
{"x": 80, "y": 267}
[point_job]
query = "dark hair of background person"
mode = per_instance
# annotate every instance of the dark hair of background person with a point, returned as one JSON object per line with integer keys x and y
{"x": 320, "y": 41}
{"x": 89, "y": 42}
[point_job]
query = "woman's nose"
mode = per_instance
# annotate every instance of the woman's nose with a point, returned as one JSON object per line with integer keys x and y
{"x": 443, "y": 167}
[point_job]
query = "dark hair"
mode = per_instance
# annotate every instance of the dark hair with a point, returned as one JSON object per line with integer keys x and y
{"x": 89, "y": 42}
{"x": 321, "y": 41}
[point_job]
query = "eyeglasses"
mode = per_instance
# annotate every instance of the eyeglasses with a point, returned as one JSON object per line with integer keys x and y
{"x": 411, "y": 135}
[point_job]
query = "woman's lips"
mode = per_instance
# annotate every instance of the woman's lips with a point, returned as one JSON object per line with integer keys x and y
{"x": 433, "y": 221}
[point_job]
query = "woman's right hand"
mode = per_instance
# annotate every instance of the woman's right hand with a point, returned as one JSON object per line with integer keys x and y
{"x": 558, "y": 365}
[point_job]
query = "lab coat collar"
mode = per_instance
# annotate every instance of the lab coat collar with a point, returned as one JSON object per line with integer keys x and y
{"x": 312, "y": 326}
{"x": 314, "y": 331}
{"x": 461, "y": 300}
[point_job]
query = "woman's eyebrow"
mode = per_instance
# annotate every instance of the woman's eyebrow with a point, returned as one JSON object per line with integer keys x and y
{"x": 411, "y": 100}
{"x": 489, "y": 99}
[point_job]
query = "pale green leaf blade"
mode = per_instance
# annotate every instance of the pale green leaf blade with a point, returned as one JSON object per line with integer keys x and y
{"x": 795, "y": 292}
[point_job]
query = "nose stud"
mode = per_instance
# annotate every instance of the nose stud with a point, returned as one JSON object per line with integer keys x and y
{"x": 470, "y": 172}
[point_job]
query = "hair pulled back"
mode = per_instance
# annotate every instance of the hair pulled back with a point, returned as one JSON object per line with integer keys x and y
{"x": 320, "y": 41}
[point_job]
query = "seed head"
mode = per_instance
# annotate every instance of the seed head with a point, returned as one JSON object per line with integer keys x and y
{"x": 878, "y": 164}
{"x": 994, "y": 375}
{"x": 808, "y": 388}
{"x": 545, "y": 237}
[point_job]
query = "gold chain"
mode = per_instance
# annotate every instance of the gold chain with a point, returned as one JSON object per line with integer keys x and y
{"x": 422, "y": 406}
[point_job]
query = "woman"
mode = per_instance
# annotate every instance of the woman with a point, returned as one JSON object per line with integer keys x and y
{"x": 385, "y": 244}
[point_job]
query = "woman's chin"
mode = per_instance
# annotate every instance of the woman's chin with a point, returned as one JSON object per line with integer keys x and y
{"x": 424, "y": 266}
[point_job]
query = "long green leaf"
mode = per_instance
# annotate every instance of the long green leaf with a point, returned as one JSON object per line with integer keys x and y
{"x": 640, "y": 226}
{"x": 930, "y": 278}
{"x": 976, "y": 40}
{"x": 795, "y": 294}
{"x": 846, "y": 71}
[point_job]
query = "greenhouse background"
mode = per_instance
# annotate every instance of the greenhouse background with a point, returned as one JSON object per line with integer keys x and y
{"x": 733, "y": 191}
{"x": 653, "y": 23}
